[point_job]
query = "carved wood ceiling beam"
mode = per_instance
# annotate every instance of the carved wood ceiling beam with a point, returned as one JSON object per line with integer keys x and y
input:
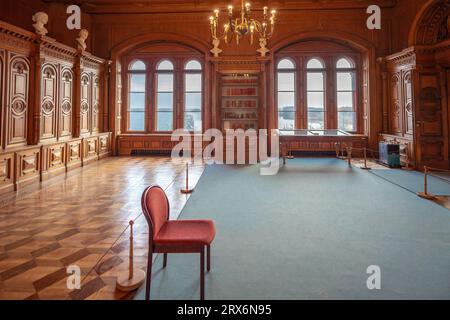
{"x": 174, "y": 6}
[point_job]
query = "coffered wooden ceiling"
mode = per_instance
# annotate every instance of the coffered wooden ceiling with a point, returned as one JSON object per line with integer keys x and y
{"x": 154, "y": 6}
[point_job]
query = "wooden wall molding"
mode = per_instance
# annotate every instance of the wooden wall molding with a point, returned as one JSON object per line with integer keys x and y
{"x": 174, "y": 6}
{"x": 405, "y": 58}
{"x": 427, "y": 24}
{"x": 39, "y": 84}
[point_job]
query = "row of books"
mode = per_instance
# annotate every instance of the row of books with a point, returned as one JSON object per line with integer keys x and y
{"x": 240, "y": 104}
{"x": 234, "y": 115}
{"x": 236, "y": 126}
{"x": 239, "y": 92}
{"x": 240, "y": 81}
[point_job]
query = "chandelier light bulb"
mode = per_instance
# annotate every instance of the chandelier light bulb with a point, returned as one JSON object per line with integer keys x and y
{"x": 243, "y": 25}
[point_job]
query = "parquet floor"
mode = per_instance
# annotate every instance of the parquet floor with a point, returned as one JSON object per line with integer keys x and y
{"x": 80, "y": 221}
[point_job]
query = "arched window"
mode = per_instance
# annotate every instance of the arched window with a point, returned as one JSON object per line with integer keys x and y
{"x": 164, "y": 96}
{"x": 136, "y": 96}
{"x": 286, "y": 94}
{"x": 315, "y": 94}
{"x": 193, "y": 96}
{"x": 346, "y": 94}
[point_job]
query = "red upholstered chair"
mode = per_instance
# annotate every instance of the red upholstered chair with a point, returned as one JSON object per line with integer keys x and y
{"x": 178, "y": 236}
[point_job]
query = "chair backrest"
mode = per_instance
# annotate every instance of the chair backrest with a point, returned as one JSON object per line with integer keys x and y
{"x": 155, "y": 206}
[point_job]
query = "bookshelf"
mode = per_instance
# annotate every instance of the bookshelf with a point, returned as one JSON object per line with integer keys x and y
{"x": 239, "y": 101}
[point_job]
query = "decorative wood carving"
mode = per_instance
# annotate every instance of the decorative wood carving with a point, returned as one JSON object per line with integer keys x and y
{"x": 2, "y": 109}
{"x": 18, "y": 99}
{"x": 66, "y": 102}
{"x": 396, "y": 105}
{"x": 408, "y": 103}
{"x": 49, "y": 93}
{"x": 74, "y": 153}
{"x": 90, "y": 149}
{"x": 85, "y": 91}
{"x": 95, "y": 104}
{"x": 432, "y": 27}
{"x": 104, "y": 145}
{"x": 6, "y": 172}
{"x": 54, "y": 160}
{"x": 28, "y": 166}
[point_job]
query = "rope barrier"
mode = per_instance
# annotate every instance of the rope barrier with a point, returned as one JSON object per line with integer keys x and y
{"x": 428, "y": 172}
{"x": 133, "y": 221}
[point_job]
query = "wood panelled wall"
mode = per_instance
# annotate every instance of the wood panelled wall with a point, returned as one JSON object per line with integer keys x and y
{"x": 52, "y": 104}
{"x": 416, "y": 90}
{"x": 342, "y": 22}
{"x": 396, "y": 87}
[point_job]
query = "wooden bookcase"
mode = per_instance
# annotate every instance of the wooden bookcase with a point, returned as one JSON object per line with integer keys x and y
{"x": 239, "y": 101}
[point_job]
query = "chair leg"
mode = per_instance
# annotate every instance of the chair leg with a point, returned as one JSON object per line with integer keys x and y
{"x": 165, "y": 260}
{"x": 149, "y": 275}
{"x": 202, "y": 274}
{"x": 208, "y": 258}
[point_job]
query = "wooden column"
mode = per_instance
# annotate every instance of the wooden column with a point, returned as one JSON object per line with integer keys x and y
{"x": 34, "y": 114}
{"x": 77, "y": 97}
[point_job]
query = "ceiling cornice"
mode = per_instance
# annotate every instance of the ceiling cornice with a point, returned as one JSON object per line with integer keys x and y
{"x": 179, "y": 6}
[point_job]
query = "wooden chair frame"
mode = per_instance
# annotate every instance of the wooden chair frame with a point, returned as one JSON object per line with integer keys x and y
{"x": 175, "y": 248}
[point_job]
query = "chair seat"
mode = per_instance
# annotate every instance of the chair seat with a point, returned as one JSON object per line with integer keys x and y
{"x": 186, "y": 232}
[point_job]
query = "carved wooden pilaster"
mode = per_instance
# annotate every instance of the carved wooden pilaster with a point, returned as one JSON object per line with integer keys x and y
{"x": 385, "y": 101}
{"x": 105, "y": 103}
{"x": 77, "y": 97}
{"x": 34, "y": 130}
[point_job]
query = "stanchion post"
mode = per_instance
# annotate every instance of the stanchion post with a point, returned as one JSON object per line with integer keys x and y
{"x": 349, "y": 156}
{"x": 425, "y": 193}
{"x": 365, "y": 160}
{"x": 134, "y": 278}
{"x": 187, "y": 190}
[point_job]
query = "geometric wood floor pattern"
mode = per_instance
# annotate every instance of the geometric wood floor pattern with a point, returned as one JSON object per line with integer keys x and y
{"x": 79, "y": 221}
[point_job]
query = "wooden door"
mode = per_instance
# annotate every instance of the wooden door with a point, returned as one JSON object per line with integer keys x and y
{"x": 431, "y": 134}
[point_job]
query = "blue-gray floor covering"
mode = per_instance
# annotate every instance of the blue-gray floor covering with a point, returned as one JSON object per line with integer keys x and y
{"x": 310, "y": 232}
{"x": 414, "y": 181}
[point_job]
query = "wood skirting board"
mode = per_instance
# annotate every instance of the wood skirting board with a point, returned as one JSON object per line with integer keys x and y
{"x": 154, "y": 143}
{"x": 24, "y": 166}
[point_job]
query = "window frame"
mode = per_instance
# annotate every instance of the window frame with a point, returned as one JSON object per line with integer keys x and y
{"x": 202, "y": 92}
{"x": 329, "y": 59}
{"x": 151, "y": 60}
{"x": 155, "y": 95}
{"x": 324, "y": 90}
{"x": 277, "y": 91}
{"x": 353, "y": 70}
{"x": 129, "y": 74}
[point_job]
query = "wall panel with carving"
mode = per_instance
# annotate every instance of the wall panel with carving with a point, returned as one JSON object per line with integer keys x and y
{"x": 85, "y": 106}
{"x": 396, "y": 107}
{"x": 66, "y": 103}
{"x": 2, "y": 94}
{"x": 18, "y": 100}
{"x": 37, "y": 100}
{"x": 49, "y": 98}
{"x": 95, "y": 112}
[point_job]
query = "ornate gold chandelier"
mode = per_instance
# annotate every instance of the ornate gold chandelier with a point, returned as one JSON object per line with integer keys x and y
{"x": 243, "y": 25}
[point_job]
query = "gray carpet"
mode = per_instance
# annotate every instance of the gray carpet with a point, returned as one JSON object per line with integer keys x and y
{"x": 414, "y": 181}
{"x": 310, "y": 232}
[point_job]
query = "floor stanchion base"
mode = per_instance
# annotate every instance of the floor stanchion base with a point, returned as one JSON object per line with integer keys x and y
{"x": 366, "y": 168}
{"x": 426, "y": 196}
{"x": 124, "y": 283}
{"x": 186, "y": 191}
